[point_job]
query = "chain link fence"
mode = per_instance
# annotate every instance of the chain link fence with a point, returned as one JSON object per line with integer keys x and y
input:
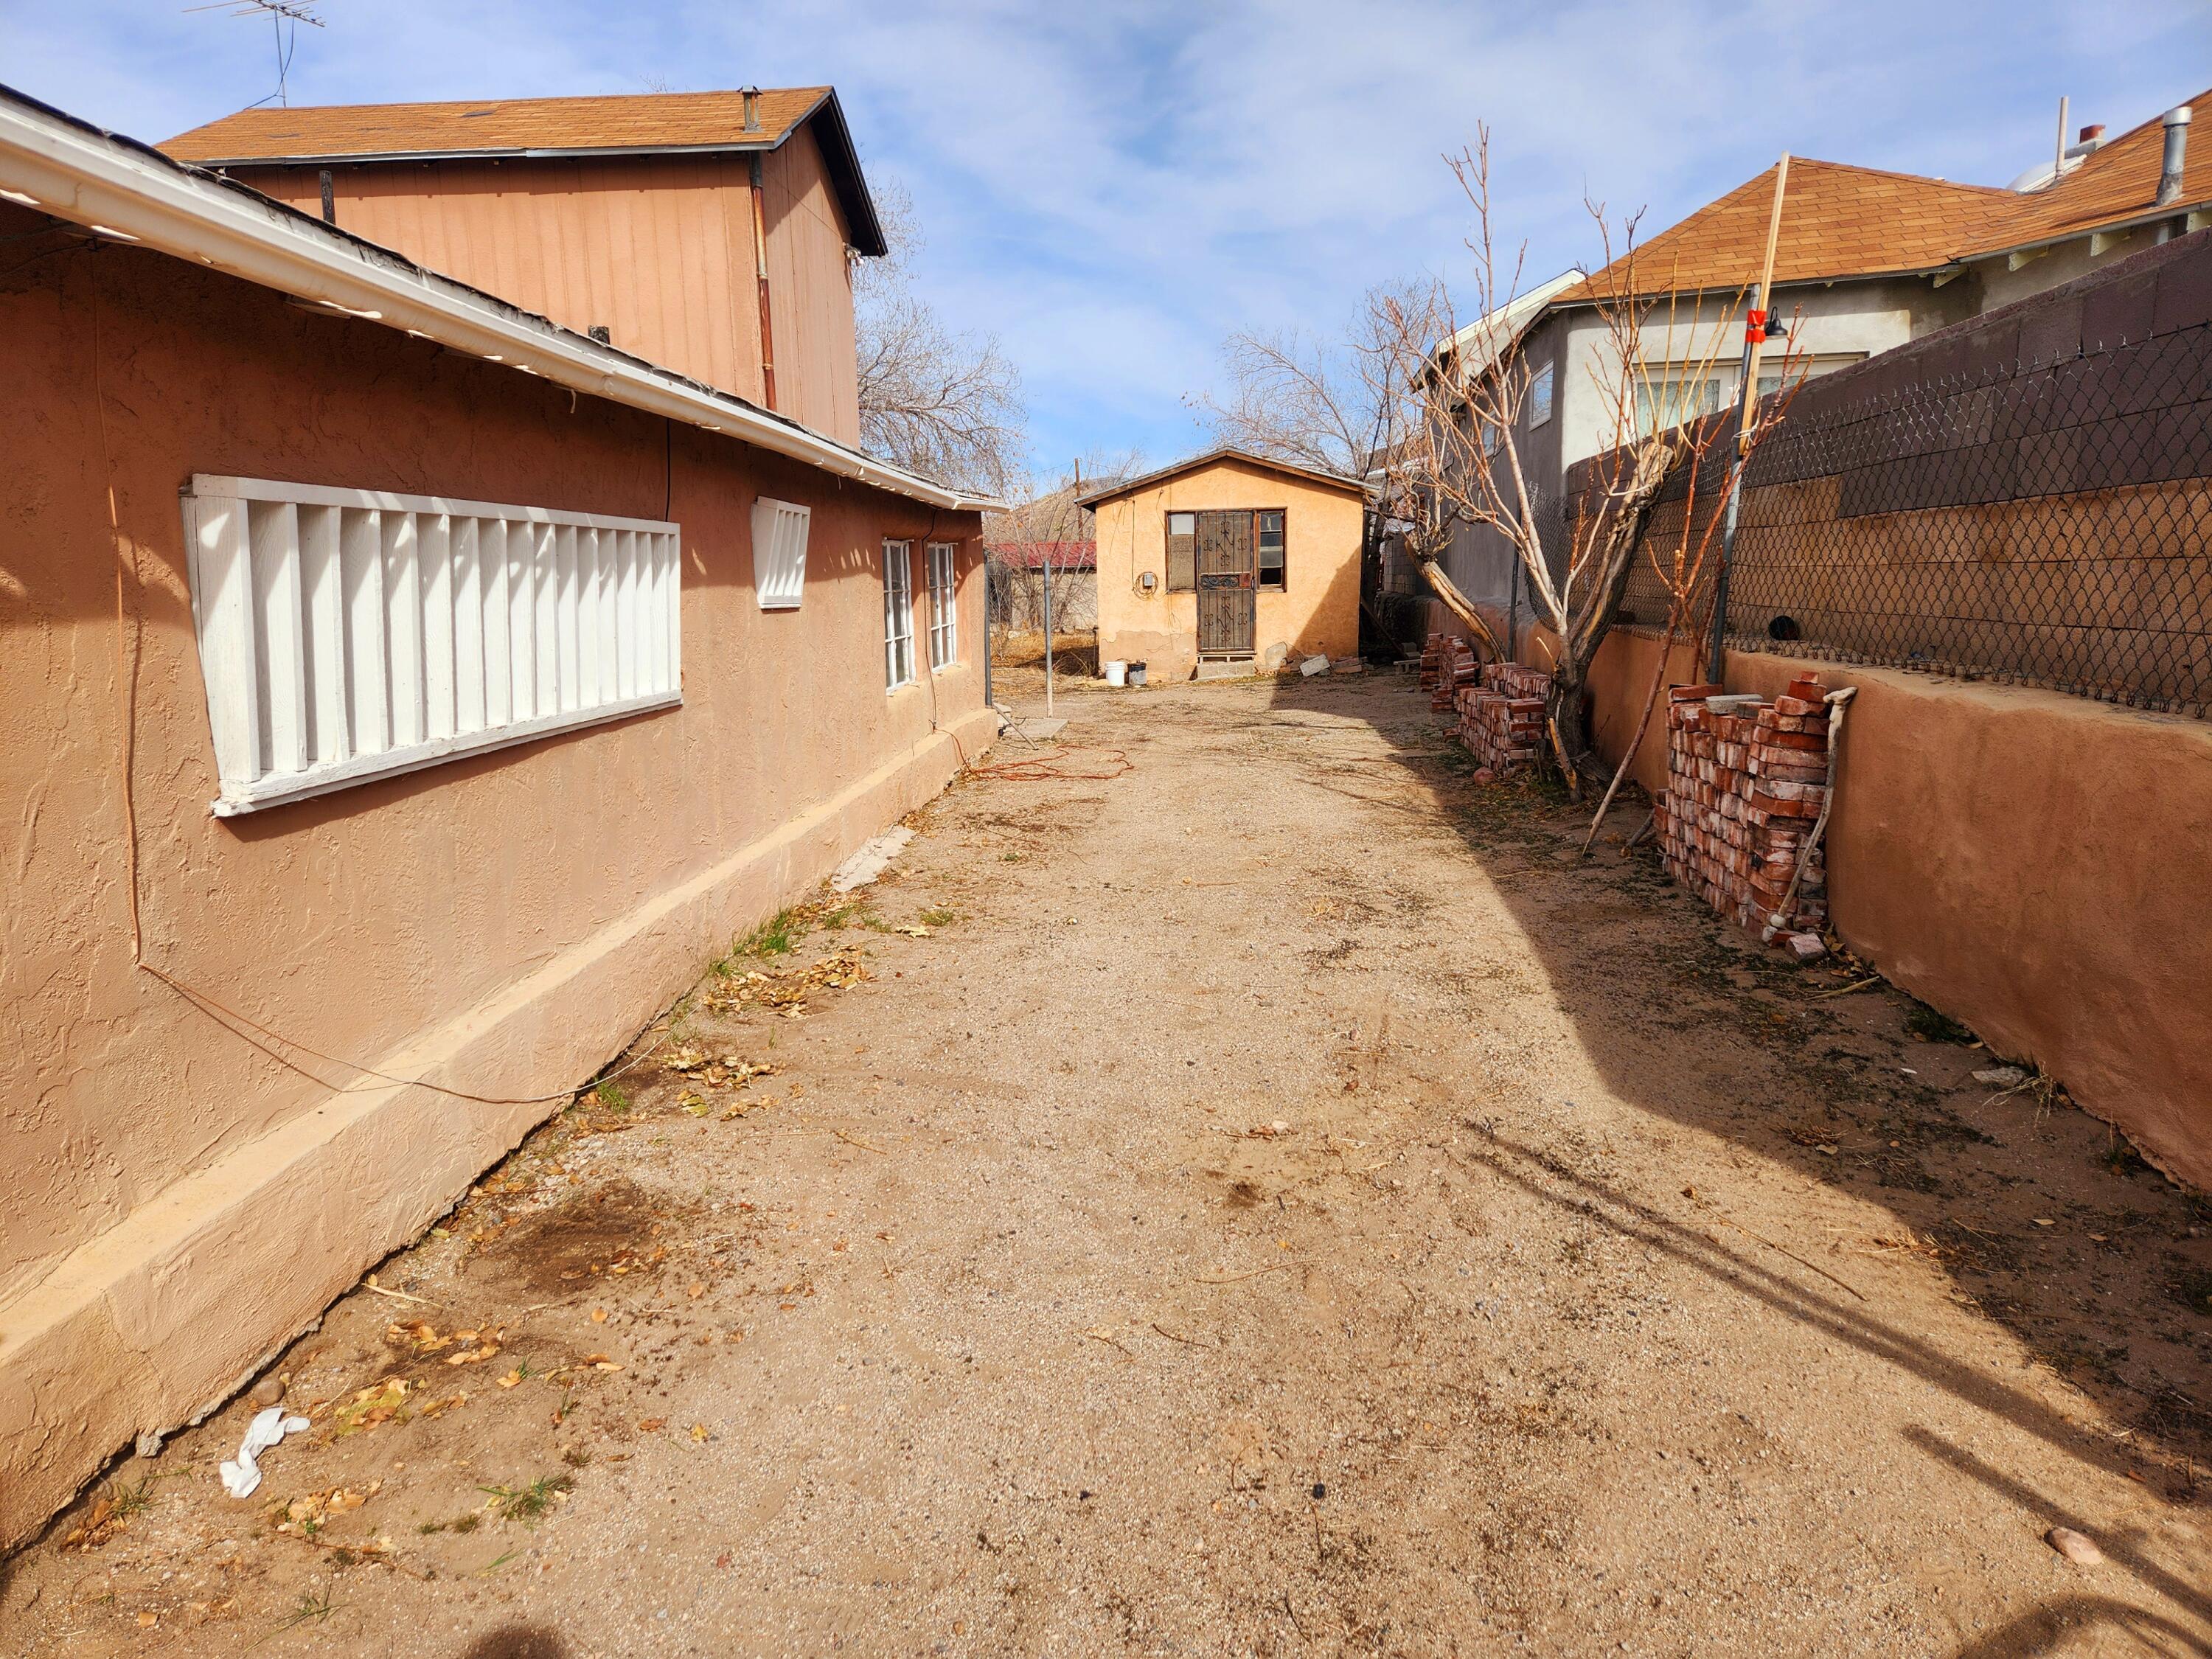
{"x": 2042, "y": 524}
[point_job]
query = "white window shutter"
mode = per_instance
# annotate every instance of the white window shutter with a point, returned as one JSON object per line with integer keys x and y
{"x": 346, "y": 633}
{"x": 779, "y": 552}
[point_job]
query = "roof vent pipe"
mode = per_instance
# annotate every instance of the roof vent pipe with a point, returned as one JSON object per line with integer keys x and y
{"x": 2177, "y": 152}
{"x": 751, "y": 96}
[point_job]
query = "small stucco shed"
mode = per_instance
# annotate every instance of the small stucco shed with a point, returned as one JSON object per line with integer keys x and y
{"x": 1225, "y": 556}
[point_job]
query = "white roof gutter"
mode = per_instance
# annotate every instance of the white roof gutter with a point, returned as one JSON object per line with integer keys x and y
{"x": 116, "y": 187}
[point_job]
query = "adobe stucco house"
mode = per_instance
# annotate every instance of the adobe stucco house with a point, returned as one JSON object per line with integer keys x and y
{"x": 407, "y": 696}
{"x": 1224, "y": 558}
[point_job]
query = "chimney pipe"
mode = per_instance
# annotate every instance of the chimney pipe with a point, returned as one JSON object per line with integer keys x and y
{"x": 751, "y": 96}
{"x": 2177, "y": 152}
{"x": 2091, "y": 134}
{"x": 2058, "y": 157}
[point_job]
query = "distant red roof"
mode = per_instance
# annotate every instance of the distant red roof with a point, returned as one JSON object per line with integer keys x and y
{"x": 1034, "y": 556}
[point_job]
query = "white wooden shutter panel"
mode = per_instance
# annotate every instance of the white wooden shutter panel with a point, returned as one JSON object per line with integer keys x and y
{"x": 348, "y": 634}
{"x": 779, "y": 552}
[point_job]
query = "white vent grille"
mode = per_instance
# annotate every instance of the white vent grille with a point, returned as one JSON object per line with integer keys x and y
{"x": 348, "y": 634}
{"x": 779, "y": 553}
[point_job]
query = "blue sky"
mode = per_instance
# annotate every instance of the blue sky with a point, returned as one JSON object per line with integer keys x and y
{"x": 1112, "y": 188}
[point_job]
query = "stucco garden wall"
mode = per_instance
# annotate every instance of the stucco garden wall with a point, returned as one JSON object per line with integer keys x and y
{"x": 1315, "y": 611}
{"x": 180, "y": 1201}
{"x": 2014, "y": 858}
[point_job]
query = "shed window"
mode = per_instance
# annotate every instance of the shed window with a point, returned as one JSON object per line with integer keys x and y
{"x": 346, "y": 635}
{"x": 1267, "y": 539}
{"x": 1182, "y": 552}
{"x": 898, "y": 615}
{"x": 944, "y": 607}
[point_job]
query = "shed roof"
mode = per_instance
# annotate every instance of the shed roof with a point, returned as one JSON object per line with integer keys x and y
{"x": 659, "y": 123}
{"x": 1192, "y": 463}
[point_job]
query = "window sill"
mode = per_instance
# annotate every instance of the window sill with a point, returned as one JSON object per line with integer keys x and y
{"x": 264, "y": 793}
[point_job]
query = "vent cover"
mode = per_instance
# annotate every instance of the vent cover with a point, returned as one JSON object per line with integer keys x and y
{"x": 779, "y": 553}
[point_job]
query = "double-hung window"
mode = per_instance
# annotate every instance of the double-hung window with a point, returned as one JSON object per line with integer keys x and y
{"x": 346, "y": 635}
{"x": 898, "y": 615}
{"x": 944, "y": 608}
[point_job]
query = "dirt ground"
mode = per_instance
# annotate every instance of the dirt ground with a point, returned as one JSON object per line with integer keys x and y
{"x": 1270, "y": 1200}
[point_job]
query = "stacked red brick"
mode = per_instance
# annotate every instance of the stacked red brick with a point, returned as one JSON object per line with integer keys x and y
{"x": 1501, "y": 720}
{"x": 1447, "y": 665}
{"x": 1745, "y": 780}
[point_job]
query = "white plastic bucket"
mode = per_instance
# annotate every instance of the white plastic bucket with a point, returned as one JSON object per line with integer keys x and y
{"x": 1117, "y": 672}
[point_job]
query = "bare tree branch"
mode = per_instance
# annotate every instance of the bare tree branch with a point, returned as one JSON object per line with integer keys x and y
{"x": 947, "y": 406}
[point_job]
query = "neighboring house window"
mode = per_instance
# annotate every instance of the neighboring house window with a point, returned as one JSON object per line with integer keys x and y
{"x": 346, "y": 635}
{"x": 1540, "y": 397}
{"x": 1268, "y": 540}
{"x": 1805, "y": 369}
{"x": 1669, "y": 394}
{"x": 898, "y": 615}
{"x": 1182, "y": 552}
{"x": 944, "y": 607}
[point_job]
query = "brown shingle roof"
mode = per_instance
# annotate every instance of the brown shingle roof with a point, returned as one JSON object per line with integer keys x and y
{"x": 1843, "y": 222}
{"x": 2118, "y": 182}
{"x": 1836, "y": 221}
{"x": 660, "y": 120}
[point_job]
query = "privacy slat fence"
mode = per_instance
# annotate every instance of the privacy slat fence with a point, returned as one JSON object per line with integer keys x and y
{"x": 349, "y": 634}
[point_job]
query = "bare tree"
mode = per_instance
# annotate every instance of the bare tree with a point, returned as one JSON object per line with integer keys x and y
{"x": 1319, "y": 404}
{"x": 946, "y": 405}
{"x": 1455, "y": 457}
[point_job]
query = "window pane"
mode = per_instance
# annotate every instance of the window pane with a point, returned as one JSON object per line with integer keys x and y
{"x": 1540, "y": 397}
{"x": 1182, "y": 524}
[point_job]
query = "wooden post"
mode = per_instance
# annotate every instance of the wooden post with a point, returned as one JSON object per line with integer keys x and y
{"x": 1747, "y": 409}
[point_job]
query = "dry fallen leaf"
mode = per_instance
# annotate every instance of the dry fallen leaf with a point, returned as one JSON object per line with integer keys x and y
{"x": 651, "y": 1424}
{"x": 599, "y": 1316}
{"x": 696, "y": 1291}
{"x": 512, "y": 1378}
{"x": 698, "y": 1431}
{"x": 473, "y": 1356}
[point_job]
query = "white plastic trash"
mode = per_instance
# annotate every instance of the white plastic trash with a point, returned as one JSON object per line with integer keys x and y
{"x": 1117, "y": 672}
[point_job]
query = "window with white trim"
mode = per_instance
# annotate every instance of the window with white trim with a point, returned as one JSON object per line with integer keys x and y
{"x": 898, "y": 615}
{"x": 347, "y": 635}
{"x": 944, "y": 607}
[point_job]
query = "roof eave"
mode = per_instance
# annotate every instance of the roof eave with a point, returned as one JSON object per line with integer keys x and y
{"x": 58, "y": 164}
{"x": 2122, "y": 226}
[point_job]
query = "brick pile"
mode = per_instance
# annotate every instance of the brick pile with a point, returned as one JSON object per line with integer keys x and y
{"x": 1745, "y": 782}
{"x": 1447, "y": 665}
{"x": 1502, "y": 719}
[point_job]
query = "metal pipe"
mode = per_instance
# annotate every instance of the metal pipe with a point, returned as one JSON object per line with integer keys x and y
{"x": 1048, "y": 628}
{"x": 1513, "y": 612}
{"x": 2177, "y": 156}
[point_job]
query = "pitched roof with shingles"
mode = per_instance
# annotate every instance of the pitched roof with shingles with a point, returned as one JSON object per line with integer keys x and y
{"x": 1191, "y": 464}
{"x": 658, "y": 120}
{"x": 1840, "y": 222}
{"x": 1836, "y": 221}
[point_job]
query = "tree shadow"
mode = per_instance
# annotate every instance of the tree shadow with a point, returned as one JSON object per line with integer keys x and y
{"x": 2042, "y": 1221}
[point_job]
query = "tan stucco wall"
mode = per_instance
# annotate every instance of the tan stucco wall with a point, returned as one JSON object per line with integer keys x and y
{"x": 2023, "y": 860}
{"x": 1318, "y": 610}
{"x": 179, "y": 1202}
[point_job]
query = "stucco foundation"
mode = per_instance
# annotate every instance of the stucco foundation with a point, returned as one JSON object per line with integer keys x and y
{"x": 181, "y": 1201}
{"x": 2023, "y": 860}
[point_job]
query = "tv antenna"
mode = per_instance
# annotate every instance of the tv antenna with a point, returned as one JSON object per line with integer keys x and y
{"x": 284, "y": 17}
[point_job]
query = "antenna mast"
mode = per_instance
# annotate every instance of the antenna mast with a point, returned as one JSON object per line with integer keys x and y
{"x": 284, "y": 17}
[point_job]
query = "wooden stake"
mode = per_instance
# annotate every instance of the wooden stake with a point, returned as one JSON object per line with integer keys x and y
{"x": 1750, "y": 398}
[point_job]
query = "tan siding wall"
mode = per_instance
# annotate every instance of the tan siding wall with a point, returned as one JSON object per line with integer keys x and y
{"x": 659, "y": 250}
{"x": 1317, "y": 610}
{"x": 810, "y": 292}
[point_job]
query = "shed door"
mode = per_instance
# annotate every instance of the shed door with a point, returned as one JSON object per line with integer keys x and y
{"x": 1227, "y": 599}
